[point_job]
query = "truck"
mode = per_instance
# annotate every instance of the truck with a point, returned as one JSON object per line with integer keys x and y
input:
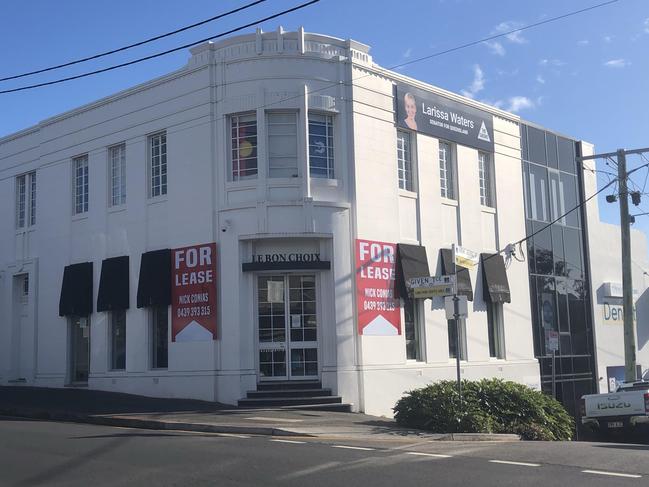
{"x": 625, "y": 410}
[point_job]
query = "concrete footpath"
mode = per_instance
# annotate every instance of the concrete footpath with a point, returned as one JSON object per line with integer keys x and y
{"x": 127, "y": 410}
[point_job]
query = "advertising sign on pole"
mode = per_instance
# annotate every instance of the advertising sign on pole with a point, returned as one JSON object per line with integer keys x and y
{"x": 378, "y": 308}
{"x": 193, "y": 293}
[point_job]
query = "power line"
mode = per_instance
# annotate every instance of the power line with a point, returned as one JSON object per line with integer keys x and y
{"x": 163, "y": 53}
{"x": 137, "y": 44}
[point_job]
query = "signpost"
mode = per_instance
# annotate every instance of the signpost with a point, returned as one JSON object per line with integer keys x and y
{"x": 552, "y": 344}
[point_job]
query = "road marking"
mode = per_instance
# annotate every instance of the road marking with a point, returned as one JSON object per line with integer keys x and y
{"x": 353, "y": 447}
{"x": 231, "y": 435}
{"x": 613, "y": 474}
{"x": 521, "y": 464}
{"x": 435, "y": 455}
{"x": 274, "y": 420}
{"x": 290, "y": 441}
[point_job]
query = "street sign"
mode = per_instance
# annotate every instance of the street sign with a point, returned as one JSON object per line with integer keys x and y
{"x": 428, "y": 287}
{"x": 465, "y": 257}
{"x": 552, "y": 342}
{"x": 463, "y": 307}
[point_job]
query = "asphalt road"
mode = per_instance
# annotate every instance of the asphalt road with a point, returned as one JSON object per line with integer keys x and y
{"x": 63, "y": 454}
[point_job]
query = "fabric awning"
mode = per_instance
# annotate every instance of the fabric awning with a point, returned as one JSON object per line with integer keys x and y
{"x": 113, "y": 284}
{"x": 494, "y": 279}
{"x": 411, "y": 262}
{"x": 154, "y": 284}
{"x": 464, "y": 287}
{"x": 76, "y": 290}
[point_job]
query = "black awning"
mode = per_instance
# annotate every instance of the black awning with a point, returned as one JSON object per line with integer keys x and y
{"x": 494, "y": 279}
{"x": 464, "y": 287}
{"x": 113, "y": 284}
{"x": 76, "y": 290}
{"x": 411, "y": 262}
{"x": 154, "y": 284}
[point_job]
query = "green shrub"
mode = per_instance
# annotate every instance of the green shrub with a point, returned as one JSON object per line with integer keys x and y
{"x": 488, "y": 406}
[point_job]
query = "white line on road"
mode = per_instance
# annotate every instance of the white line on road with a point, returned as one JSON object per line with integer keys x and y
{"x": 521, "y": 464}
{"x": 613, "y": 474}
{"x": 353, "y": 447}
{"x": 290, "y": 441}
{"x": 434, "y": 455}
{"x": 231, "y": 435}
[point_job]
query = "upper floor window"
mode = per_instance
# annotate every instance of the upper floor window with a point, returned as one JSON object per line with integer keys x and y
{"x": 117, "y": 159}
{"x": 26, "y": 200}
{"x": 321, "y": 146}
{"x": 446, "y": 171}
{"x": 80, "y": 184}
{"x": 243, "y": 146}
{"x": 486, "y": 179}
{"x": 404, "y": 160}
{"x": 282, "y": 144}
{"x": 157, "y": 165}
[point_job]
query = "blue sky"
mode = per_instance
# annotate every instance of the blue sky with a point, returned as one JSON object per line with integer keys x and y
{"x": 585, "y": 76}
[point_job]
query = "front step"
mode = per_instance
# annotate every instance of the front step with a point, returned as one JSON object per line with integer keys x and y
{"x": 289, "y": 393}
{"x": 288, "y": 401}
{"x": 289, "y": 385}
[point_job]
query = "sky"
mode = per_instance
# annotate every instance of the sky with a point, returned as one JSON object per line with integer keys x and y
{"x": 585, "y": 76}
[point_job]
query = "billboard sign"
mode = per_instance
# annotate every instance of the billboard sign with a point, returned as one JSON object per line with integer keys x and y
{"x": 443, "y": 118}
{"x": 377, "y": 306}
{"x": 193, "y": 293}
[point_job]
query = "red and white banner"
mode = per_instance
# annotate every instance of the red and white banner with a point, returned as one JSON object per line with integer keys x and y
{"x": 378, "y": 309}
{"x": 193, "y": 293}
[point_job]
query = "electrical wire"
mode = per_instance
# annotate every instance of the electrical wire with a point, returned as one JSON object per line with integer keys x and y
{"x": 412, "y": 61}
{"x": 136, "y": 44}
{"x": 162, "y": 53}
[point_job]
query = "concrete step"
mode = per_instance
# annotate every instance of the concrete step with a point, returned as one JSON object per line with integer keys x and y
{"x": 289, "y": 393}
{"x": 288, "y": 401}
{"x": 289, "y": 384}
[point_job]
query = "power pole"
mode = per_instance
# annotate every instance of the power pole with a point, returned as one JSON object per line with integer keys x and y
{"x": 627, "y": 280}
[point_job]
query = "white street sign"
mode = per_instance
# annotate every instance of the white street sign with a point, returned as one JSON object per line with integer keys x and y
{"x": 428, "y": 287}
{"x": 465, "y": 257}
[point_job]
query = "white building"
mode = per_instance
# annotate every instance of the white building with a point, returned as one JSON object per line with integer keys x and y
{"x": 297, "y": 157}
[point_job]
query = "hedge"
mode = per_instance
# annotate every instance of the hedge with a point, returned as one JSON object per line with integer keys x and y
{"x": 488, "y": 406}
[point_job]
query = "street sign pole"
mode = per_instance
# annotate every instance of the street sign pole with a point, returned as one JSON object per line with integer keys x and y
{"x": 554, "y": 374}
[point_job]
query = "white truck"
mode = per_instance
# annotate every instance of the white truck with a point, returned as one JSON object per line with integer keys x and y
{"x": 624, "y": 409}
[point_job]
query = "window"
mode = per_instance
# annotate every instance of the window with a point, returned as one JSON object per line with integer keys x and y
{"x": 26, "y": 200}
{"x": 453, "y": 340}
{"x": 446, "y": 171}
{"x": 80, "y": 196}
{"x": 282, "y": 144}
{"x": 157, "y": 165}
{"x": 412, "y": 330}
{"x": 404, "y": 160}
{"x": 118, "y": 340}
{"x": 244, "y": 146}
{"x": 321, "y": 146}
{"x": 486, "y": 180}
{"x": 159, "y": 337}
{"x": 117, "y": 159}
{"x": 496, "y": 330}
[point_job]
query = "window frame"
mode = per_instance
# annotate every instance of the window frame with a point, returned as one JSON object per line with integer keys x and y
{"x": 447, "y": 191}
{"x": 116, "y": 200}
{"x": 267, "y": 119}
{"x": 330, "y": 154}
{"x": 164, "y": 173}
{"x": 406, "y": 166}
{"x": 114, "y": 315}
{"x": 155, "y": 312}
{"x": 496, "y": 331}
{"x": 486, "y": 180}
{"x": 25, "y": 217}
{"x": 231, "y": 148}
{"x": 82, "y": 206}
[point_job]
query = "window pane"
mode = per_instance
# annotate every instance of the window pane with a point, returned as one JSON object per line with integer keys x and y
{"x": 404, "y": 161}
{"x": 538, "y": 187}
{"x": 446, "y": 171}
{"x": 282, "y": 144}
{"x": 551, "y": 149}
{"x": 244, "y": 146}
{"x": 321, "y": 146}
{"x": 32, "y": 198}
{"x": 20, "y": 201}
{"x": 536, "y": 145}
{"x": 413, "y": 347}
{"x": 566, "y": 155}
{"x": 160, "y": 339}
{"x": 158, "y": 165}
{"x": 118, "y": 340}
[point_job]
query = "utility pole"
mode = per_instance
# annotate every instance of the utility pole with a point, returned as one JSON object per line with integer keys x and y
{"x": 627, "y": 280}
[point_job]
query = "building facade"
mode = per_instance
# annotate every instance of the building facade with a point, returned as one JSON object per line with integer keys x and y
{"x": 255, "y": 217}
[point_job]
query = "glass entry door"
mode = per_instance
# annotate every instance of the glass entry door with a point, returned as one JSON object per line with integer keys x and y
{"x": 287, "y": 327}
{"x": 79, "y": 349}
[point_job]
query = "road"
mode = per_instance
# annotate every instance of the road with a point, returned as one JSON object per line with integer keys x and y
{"x": 64, "y": 454}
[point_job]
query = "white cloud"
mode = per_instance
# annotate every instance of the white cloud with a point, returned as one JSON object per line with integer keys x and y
{"x": 583, "y": 42}
{"x": 496, "y": 47}
{"x": 646, "y": 25}
{"x": 617, "y": 63}
{"x": 477, "y": 85}
{"x": 552, "y": 62}
{"x": 540, "y": 79}
{"x": 515, "y": 37}
{"x": 407, "y": 53}
{"x": 608, "y": 39}
{"x": 517, "y": 103}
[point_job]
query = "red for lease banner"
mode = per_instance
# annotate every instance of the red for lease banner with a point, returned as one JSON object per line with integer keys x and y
{"x": 193, "y": 293}
{"x": 378, "y": 309}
